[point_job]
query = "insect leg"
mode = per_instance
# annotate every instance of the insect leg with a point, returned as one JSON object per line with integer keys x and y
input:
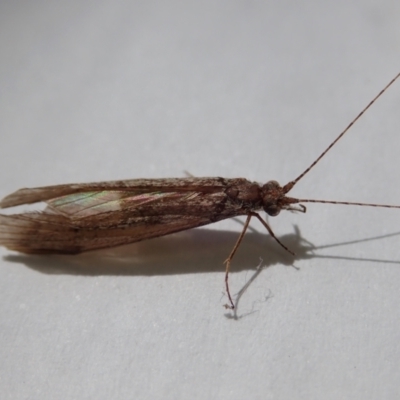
{"x": 253, "y": 214}
{"x": 229, "y": 259}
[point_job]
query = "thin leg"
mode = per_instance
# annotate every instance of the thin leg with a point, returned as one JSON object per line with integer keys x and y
{"x": 229, "y": 259}
{"x": 253, "y": 214}
{"x": 237, "y": 244}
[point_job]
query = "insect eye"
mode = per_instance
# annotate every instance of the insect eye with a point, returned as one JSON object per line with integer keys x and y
{"x": 271, "y": 193}
{"x": 272, "y": 210}
{"x": 271, "y": 185}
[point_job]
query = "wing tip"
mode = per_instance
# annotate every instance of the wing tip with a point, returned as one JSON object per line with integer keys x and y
{"x": 36, "y": 233}
{"x": 19, "y": 197}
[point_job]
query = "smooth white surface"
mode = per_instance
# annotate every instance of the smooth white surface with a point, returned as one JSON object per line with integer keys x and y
{"x": 111, "y": 90}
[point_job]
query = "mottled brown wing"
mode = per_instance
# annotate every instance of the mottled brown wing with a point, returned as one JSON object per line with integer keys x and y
{"x": 94, "y": 220}
{"x": 46, "y": 233}
{"x": 136, "y": 186}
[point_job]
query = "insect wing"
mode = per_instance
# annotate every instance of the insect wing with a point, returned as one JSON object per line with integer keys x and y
{"x": 91, "y": 220}
{"x": 46, "y": 233}
{"x": 134, "y": 186}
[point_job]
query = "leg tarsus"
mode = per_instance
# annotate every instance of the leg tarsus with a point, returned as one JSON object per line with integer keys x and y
{"x": 227, "y": 262}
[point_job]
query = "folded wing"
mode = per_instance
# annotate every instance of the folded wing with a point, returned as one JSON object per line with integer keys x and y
{"x": 137, "y": 186}
{"x": 91, "y": 220}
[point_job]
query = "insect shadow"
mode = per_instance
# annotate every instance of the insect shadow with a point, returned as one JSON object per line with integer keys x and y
{"x": 193, "y": 251}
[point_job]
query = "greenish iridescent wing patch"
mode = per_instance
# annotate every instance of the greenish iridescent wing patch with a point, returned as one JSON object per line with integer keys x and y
{"x": 81, "y": 205}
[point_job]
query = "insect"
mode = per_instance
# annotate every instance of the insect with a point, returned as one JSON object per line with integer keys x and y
{"x": 88, "y": 216}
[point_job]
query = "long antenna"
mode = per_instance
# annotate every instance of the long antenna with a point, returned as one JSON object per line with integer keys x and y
{"x": 290, "y": 185}
{"x": 346, "y": 203}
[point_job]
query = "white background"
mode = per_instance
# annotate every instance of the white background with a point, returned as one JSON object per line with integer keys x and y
{"x": 129, "y": 89}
